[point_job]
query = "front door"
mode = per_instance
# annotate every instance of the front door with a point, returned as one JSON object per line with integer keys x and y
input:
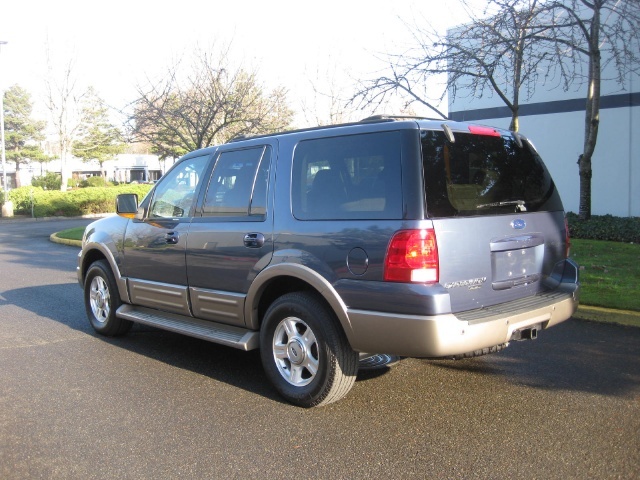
{"x": 155, "y": 245}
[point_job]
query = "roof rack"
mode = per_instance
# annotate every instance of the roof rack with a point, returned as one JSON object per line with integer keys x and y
{"x": 372, "y": 119}
{"x": 391, "y": 118}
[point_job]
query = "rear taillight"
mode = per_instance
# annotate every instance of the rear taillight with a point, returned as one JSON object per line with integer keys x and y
{"x": 567, "y": 239}
{"x": 412, "y": 256}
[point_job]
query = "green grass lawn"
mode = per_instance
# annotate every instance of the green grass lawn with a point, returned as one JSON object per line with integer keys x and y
{"x": 609, "y": 273}
{"x": 71, "y": 234}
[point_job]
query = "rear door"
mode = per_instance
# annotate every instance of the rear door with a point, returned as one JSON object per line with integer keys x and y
{"x": 231, "y": 237}
{"x": 498, "y": 217}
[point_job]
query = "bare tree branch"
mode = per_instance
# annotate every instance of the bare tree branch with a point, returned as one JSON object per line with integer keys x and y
{"x": 203, "y": 104}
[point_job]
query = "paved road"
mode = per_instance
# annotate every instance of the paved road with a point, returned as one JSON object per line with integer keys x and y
{"x": 157, "y": 405}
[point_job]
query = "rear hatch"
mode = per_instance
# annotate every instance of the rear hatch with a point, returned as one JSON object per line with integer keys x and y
{"x": 497, "y": 215}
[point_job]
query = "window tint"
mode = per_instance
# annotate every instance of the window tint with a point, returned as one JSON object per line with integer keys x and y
{"x": 173, "y": 196}
{"x": 238, "y": 185}
{"x": 482, "y": 175}
{"x": 351, "y": 177}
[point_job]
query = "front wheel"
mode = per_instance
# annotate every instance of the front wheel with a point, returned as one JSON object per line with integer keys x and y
{"x": 101, "y": 301}
{"x": 305, "y": 353}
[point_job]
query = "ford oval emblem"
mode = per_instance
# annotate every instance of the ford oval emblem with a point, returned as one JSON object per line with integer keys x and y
{"x": 518, "y": 224}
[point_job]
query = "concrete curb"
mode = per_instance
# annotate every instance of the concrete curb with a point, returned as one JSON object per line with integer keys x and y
{"x": 64, "y": 241}
{"x": 607, "y": 315}
{"x": 18, "y": 218}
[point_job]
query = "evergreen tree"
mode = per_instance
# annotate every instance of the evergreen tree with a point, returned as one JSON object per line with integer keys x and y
{"x": 99, "y": 140}
{"x": 23, "y": 134}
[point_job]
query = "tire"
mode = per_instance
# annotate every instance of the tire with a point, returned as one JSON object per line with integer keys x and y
{"x": 305, "y": 353}
{"x": 101, "y": 300}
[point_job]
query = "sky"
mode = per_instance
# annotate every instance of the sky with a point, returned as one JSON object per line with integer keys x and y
{"x": 300, "y": 45}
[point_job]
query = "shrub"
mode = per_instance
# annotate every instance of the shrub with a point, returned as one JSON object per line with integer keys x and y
{"x": 83, "y": 201}
{"x": 95, "y": 182}
{"x": 49, "y": 181}
{"x": 605, "y": 227}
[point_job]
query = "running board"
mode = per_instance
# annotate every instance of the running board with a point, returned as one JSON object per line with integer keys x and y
{"x": 228, "y": 335}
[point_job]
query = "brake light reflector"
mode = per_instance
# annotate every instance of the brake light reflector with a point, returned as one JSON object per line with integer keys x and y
{"x": 488, "y": 131}
{"x": 412, "y": 256}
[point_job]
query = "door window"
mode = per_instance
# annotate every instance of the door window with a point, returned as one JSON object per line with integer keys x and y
{"x": 174, "y": 195}
{"x": 238, "y": 185}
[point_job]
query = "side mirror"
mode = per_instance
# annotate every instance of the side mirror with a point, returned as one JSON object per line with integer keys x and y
{"x": 127, "y": 205}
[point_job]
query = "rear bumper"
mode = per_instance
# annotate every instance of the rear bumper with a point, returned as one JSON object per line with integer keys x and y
{"x": 457, "y": 334}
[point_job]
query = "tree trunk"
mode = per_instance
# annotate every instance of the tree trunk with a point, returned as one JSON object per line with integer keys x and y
{"x": 515, "y": 122}
{"x": 18, "y": 180}
{"x": 584, "y": 169}
{"x": 592, "y": 116}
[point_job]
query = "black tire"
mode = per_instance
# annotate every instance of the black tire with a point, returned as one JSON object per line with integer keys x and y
{"x": 101, "y": 300}
{"x": 305, "y": 353}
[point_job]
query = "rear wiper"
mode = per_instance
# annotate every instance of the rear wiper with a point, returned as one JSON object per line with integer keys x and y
{"x": 519, "y": 205}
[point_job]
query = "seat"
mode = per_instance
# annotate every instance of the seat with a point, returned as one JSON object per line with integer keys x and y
{"x": 327, "y": 193}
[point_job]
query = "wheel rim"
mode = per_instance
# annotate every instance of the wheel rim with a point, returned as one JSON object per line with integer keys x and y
{"x": 99, "y": 298}
{"x": 296, "y": 352}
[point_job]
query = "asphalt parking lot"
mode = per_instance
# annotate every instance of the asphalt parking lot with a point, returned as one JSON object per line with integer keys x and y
{"x": 159, "y": 405}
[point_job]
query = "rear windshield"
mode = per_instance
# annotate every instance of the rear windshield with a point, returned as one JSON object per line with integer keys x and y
{"x": 484, "y": 175}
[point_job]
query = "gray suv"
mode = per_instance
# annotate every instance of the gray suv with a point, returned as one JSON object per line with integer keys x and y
{"x": 394, "y": 235}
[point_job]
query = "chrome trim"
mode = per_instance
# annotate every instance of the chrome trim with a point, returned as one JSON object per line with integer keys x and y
{"x": 235, "y": 337}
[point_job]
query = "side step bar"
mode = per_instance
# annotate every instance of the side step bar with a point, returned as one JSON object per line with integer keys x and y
{"x": 228, "y": 335}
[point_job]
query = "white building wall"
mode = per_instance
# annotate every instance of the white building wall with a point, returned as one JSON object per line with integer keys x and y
{"x": 559, "y": 138}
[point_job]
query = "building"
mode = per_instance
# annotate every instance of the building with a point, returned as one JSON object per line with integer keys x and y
{"x": 126, "y": 168}
{"x": 554, "y": 120}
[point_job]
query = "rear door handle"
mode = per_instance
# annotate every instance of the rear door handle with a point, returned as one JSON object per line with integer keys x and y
{"x": 172, "y": 238}
{"x": 253, "y": 240}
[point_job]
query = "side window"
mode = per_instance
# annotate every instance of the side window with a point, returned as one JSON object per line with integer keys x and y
{"x": 174, "y": 195}
{"x": 352, "y": 177}
{"x": 238, "y": 185}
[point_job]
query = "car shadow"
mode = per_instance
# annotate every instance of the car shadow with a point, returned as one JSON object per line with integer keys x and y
{"x": 575, "y": 355}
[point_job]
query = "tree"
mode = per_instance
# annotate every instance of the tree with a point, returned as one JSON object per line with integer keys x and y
{"x": 494, "y": 52}
{"x": 64, "y": 102}
{"x": 520, "y": 44}
{"x": 205, "y": 104}
{"x": 98, "y": 139}
{"x": 581, "y": 31}
{"x": 22, "y": 133}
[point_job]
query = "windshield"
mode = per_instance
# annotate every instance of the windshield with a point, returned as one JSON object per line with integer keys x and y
{"x": 481, "y": 175}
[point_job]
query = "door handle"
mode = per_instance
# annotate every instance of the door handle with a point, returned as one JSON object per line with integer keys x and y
{"x": 253, "y": 240}
{"x": 172, "y": 238}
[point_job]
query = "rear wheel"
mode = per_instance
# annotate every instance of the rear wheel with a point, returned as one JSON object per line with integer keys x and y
{"x": 101, "y": 300}
{"x": 305, "y": 353}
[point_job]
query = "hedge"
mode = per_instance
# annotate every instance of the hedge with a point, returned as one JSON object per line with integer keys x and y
{"x": 605, "y": 227}
{"x": 83, "y": 201}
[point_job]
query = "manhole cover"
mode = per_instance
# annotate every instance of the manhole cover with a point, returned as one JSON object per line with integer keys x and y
{"x": 378, "y": 360}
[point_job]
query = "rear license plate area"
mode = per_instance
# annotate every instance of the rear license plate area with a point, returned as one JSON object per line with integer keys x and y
{"x": 514, "y": 268}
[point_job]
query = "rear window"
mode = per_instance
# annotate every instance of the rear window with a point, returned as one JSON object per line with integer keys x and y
{"x": 484, "y": 175}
